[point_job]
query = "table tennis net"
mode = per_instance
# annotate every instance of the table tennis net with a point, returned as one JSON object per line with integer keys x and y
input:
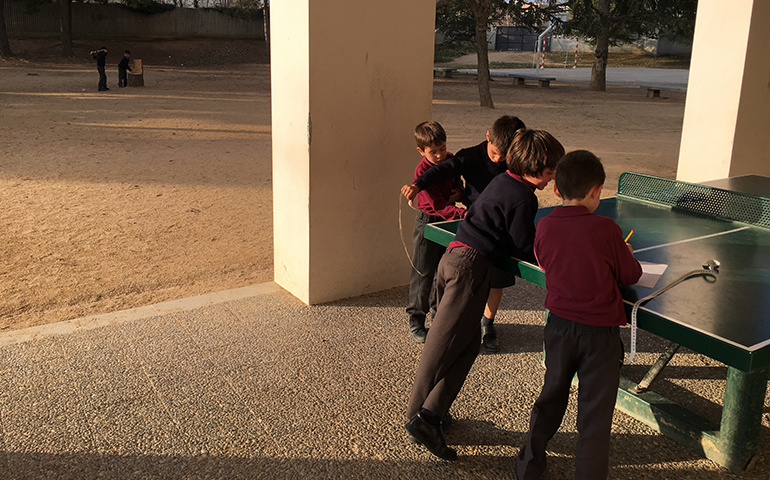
{"x": 694, "y": 198}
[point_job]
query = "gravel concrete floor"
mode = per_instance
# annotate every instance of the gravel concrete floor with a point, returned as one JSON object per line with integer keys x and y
{"x": 254, "y": 384}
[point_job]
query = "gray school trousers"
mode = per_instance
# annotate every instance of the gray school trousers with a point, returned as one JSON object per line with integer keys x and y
{"x": 454, "y": 338}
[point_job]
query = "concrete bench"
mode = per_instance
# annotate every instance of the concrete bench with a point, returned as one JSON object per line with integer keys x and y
{"x": 448, "y": 72}
{"x": 521, "y": 78}
{"x": 652, "y": 91}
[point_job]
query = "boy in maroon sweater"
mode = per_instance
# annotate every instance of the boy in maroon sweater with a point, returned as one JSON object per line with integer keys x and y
{"x": 436, "y": 203}
{"x": 584, "y": 258}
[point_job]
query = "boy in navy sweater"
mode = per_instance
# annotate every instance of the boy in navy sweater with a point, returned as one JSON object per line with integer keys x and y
{"x": 123, "y": 69}
{"x": 499, "y": 224}
{"x": 435, "y": 203}
{"x": 478, "y": 166}
{"x": 584, "y": 258}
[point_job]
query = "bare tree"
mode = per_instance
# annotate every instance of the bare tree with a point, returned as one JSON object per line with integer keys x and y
{"x": 481, "y": 10}
{"x": 5, "y": 46}
{"x": 266, "y": 25}
{"x": 65, "y": 25}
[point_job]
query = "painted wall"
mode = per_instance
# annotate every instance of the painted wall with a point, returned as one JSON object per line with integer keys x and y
{"x": 727, "y": 112}
{"x": 350, "y": 82}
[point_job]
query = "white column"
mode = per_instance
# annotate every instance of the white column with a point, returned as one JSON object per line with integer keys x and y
{"x": 350, "y": 80}
{"x": 726, "y": 130}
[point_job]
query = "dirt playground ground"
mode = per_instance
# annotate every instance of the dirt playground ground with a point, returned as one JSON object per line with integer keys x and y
{"x": 119, "y": 199}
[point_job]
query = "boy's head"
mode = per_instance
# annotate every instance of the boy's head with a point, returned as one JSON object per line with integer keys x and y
{"x": 431, "y": 141}
{"x": 126, "y": 53}
{"x": 533, "y": 155}
{"x": 578, "y": 172}
{"x": 501, "y": 135}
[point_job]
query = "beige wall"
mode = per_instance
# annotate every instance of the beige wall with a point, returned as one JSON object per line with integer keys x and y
{"x": 350, "y": 82}
{"x": 727, "y": 113}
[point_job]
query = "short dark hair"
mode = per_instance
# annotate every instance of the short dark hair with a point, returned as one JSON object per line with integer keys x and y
{"x": 126, "y": 51}
{"x": 503, "y": 130}
{"x": 577, "y": 173}
{"x": 429, "y": 133}
{"x": 532, "y": 151}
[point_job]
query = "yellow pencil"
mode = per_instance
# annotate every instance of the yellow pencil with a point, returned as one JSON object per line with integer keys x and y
{"x": 629, "y": 235}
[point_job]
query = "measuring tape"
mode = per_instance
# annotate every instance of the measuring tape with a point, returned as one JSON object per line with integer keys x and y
{"x": 708, "y": 270}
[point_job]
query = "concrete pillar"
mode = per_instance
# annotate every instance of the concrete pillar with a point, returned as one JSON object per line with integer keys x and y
{"x": 350, "y": 80}
{"x": 726, "y": 130}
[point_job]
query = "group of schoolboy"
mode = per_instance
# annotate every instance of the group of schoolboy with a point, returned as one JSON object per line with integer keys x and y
{"x": 583, "y": 255}
{"x": 100, "y": 56}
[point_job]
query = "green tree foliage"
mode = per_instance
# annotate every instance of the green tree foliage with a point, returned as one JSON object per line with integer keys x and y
{"x": 148, "y": 7}
{"x": 611, "y": 22}
{"x": 469, "y": 20}
{"x": 456, "y": 22}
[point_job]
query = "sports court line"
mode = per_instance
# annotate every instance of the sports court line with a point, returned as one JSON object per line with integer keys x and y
{"x": 690, "y": 239}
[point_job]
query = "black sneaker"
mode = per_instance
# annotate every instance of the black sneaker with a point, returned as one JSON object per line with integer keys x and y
{"x": 489, "y": 339}
{"x": 445, "y": 423}
{"x": 419, "y": 333}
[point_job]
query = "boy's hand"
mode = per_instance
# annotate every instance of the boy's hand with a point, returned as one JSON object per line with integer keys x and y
{"x": 457, "y": 195}
{"x": 410, "y": 191}
{"x": 630, "y": 248}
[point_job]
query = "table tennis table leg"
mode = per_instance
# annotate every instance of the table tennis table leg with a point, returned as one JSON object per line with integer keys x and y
{"x": 656, "y": 368}
{"x": 738, "y": 438}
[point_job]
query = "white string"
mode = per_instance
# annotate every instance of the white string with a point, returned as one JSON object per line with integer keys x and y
{"x": 705, "y": 271}
{"x": 401, "y": 231}
{"x": 690, "y": 240}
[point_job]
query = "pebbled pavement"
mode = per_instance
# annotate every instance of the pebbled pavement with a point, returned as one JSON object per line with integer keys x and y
{"x": 251, "y": 383}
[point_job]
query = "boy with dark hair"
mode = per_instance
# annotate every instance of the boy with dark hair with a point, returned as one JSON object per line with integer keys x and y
{"x": 123, "y": 68}
{"x": 584, "y": 258}
{"x": 435, "y": 203}
{"x": 478, "y": 166}
{"x": 499, "y": 224}
{"x": 100, "y": 56}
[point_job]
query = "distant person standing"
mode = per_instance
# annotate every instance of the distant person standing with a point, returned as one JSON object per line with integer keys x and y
{"x": 100, "y": 56}
{"x": 123, "y": 67}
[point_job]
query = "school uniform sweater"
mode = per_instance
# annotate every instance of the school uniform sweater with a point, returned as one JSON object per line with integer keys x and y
{"x": 501, "y": 222}
{"x": 584, "y": 258}
{"x": 472, "y": 163}
{"x": 434, "y": 200}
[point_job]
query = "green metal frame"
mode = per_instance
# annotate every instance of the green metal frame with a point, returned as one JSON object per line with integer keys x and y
{"x": 731, "y": 444}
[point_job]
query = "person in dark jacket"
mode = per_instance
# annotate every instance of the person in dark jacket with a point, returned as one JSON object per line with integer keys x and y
{"x": 123, "y": 68}
{"x": 478, "y": 166}
{"x": 499, "y": 224}
{"x": 100, "y": 56}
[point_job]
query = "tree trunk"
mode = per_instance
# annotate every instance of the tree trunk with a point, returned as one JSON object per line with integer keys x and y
{"x": 5, "y": 46}
{"x": 65, "y": 24}
{"x": 599, "y": 69}
{"x": 266, "y": 25}
{"x": 480, "y": 9}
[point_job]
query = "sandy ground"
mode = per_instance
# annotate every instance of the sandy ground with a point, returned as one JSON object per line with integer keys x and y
{"x": 113, "y": 200}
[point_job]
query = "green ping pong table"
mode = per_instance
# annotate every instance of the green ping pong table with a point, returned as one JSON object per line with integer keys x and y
{"x": 683, "y": 225}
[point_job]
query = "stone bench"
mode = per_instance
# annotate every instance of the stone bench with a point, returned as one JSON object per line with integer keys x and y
{"x": 521, "y": 78}
{"x": 448, "y": 72}
{"x": 652, "y": 91}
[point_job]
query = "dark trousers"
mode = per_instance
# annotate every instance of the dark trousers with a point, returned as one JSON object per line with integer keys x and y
{"x": 454, "y": 339}
{"x": 102, "y": 78}
{"x": 427, "y": 254}
{"x": 122, "y": 77}
{"x": 594, "y": 353}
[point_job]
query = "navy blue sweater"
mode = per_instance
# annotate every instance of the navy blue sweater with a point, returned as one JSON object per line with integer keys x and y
{"x": 501, "y": 222}
{"x": 472, "y": 163}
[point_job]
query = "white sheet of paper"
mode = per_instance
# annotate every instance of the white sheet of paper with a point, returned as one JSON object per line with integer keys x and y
{"x": 651, "y": 272}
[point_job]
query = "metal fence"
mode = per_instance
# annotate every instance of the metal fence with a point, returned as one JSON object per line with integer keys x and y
{"x": 105, "y": 21}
